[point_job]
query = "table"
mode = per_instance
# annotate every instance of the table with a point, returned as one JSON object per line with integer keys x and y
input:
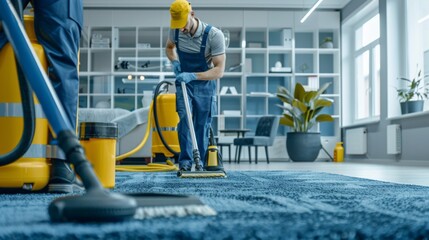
{"x": 239, "y": 132}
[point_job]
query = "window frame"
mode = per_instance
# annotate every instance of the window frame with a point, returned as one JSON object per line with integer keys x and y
{"x": 371, "y": 46}
{"x": 372, "y": 79}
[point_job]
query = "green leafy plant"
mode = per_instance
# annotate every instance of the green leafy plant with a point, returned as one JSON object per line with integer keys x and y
{"x": 302, "y": 109}
{"x": 415, "y": 88}
{"x": 327, "y": 39}
{"x": 327, "y": 43}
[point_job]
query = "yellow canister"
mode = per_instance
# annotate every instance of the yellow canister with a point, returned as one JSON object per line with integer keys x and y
{"x": 339, "y": 152}
{"x": 99, "y": 141}
{"x": 167, "y": 120}
{"x": 31, "y": 171}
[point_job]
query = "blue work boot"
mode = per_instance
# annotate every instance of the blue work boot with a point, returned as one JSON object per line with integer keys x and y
{"x": 63, "y": 179}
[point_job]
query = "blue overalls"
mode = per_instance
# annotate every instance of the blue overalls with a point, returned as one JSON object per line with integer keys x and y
{"x": 57, "y": 25}
{"x": 201, "y": 94}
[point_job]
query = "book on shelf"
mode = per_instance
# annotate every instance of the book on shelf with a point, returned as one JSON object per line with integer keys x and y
{"x": 313, "y": 84}
{"x": 261, "y": 94}
{"x": 231, "y": 112}
{"x": 281, "y": 69}
{"x": 287, "y": 37}
{"x": 248, "y": 65}
{"x": 233, "y": 90}
{"x": 223, "y": 90}
{"x": 115, "y": 38}
{"x": 254, "y": 45}
{"x": 228, "y": 89}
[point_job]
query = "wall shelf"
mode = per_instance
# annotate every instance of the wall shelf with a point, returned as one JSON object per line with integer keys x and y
{"x": 257, "y": 44}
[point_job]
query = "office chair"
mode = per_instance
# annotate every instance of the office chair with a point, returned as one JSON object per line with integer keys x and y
{"x": 266, "y": 131}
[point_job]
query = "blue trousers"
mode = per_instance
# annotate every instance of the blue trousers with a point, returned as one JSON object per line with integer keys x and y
{"x": 203, "y": 107}
{"x": 58, "y": 25}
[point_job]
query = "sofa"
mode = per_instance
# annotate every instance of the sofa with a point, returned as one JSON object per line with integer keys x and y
{"x": 132, "y": 127}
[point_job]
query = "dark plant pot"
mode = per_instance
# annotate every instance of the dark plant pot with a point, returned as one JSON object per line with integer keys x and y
{"x": 404, "y": 107}
{"x": 303, "y": 147}
{"x": 412, "y": 106}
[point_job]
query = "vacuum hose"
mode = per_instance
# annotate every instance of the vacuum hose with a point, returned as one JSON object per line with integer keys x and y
{"x": 155, "y": 115}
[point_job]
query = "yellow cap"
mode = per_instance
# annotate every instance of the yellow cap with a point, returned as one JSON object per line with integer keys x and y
{"x": 179, "y": 11}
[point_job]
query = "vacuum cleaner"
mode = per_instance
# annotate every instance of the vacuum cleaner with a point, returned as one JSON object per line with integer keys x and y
{"x": 213, "y": 167}
{"x": 98, "y": 204}
{"x": 165, "y": 140}
{"x": 162, "y": 122}
{"x": 27, "y": 128}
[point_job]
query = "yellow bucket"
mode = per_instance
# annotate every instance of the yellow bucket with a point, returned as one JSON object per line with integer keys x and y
{"x": 99, "y": 141}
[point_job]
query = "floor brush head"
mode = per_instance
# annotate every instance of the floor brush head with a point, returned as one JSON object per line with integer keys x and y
{"x": 152, "y": 205}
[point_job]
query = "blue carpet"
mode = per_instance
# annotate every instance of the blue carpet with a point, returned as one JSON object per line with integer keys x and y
{"x": 250, "y": 205}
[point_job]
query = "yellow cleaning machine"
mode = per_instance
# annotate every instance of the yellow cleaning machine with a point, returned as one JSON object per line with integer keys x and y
{"x": 162, "y": 123}
{"x": 165, "y": 140}
{"x": 213, "y": 167}
{"x": 20, "y": 138}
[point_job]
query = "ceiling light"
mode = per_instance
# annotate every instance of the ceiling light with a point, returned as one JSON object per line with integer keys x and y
{"x": 311, "y": 10}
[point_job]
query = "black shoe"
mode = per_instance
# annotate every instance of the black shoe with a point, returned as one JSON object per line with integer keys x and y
{"x": 186, "y": 168}
{"x": 63, "y": 179}
{"x": 199, "y": 168}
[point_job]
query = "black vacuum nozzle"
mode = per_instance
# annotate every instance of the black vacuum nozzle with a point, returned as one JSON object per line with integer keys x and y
{"x": 94, "y": 206}
{"x": 98, "y": 204}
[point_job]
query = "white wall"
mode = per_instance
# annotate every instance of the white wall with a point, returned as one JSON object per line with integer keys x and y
{"x": 297, "y": 4}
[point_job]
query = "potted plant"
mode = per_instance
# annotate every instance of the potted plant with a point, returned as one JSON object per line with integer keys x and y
{"x": 411, "y": 98}
{"x": 302, "y": 111}
{"x": 327, "y": 43}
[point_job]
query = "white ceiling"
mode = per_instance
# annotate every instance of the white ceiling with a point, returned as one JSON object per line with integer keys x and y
{"x": 293, "y": 4}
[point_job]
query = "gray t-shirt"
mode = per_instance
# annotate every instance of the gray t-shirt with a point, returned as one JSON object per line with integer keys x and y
{"x": 215, "y": 41}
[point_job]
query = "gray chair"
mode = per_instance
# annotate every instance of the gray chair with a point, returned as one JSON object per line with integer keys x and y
{"x": 266, "y": 131}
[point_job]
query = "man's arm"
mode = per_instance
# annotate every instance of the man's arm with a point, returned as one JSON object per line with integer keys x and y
{"x": 170, "y": 50}
{"x": 216, "y": 72}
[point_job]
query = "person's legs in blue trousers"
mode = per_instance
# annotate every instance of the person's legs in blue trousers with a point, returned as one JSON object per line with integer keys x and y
{"x": 58, "y": 25}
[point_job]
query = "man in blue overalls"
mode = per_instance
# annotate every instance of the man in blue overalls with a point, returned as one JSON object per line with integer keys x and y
{"x": 58, "y": 25}
{"x": 197, "y": 53}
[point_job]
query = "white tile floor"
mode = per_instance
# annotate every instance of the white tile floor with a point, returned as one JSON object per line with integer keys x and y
{"x": 391, "y": 172}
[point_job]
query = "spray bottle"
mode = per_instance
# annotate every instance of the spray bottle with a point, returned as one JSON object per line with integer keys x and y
{"x": 339, "y": 152}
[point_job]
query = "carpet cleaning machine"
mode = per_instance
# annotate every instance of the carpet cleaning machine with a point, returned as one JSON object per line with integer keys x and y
{"x": 97, "y": 204}
{"x": 165, "y": 143}
{"x": 213, "y": 166}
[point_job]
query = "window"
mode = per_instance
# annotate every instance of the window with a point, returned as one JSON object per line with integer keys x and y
{"x": 417, "y": 12}
{"x": 360, "y": 69}
{"x": 367, "y": 69}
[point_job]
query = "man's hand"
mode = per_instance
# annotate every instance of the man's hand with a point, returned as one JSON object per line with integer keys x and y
{"x": 176, "y": 67}
{"x": 186, "y": 77}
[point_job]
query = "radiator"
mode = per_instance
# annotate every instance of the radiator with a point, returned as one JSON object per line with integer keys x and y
{"x": 356, "y": 141}
{"x": 394, "y": 139}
